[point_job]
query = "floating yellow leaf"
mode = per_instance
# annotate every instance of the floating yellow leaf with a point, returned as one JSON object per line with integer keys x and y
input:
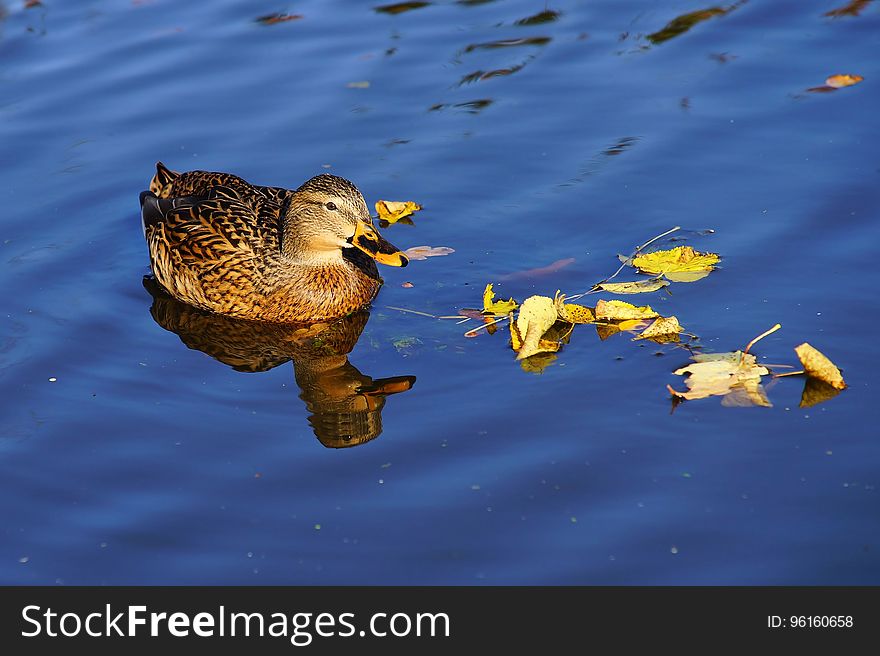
{"x": 636, "y": 287}
{"x": 498, "y": 308}
{"x": 536, "y": 316}
{"x": 392, "y": 211}
{"x": 818, "y": 366}
{"x": 845, "y": 80}
{"x": 721, "y": 374}
{"x": 572, "y": 312}
{"x": 620, "y": 310}
{"x": 674, "y": 260}
{"x": 663, "y": 330}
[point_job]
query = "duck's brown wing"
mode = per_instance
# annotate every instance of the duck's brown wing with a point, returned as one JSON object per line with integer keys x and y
{"x": 170, "y": 184}
{"x": 209, "y": 250}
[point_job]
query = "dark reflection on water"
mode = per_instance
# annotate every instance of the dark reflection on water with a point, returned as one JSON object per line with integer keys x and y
{"x": 345, "y": 404}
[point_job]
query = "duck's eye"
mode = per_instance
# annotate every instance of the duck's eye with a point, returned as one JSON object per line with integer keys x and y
{"x": 330, "y": 206}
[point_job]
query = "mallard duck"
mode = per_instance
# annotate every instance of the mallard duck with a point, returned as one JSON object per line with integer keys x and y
{"x": 272, "y": 254}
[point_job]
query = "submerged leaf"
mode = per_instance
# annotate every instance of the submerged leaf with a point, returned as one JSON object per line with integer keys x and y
{"x": 392, "y": 210}
{"x": 498, "y": 308}
{"x": 674, "y": 260}
{"x": 620, "y": 310}
{"x": 635, "y": 287}
{"x": 818, "y": 366}
{"x": 424, "y": 252}
{"x": 537, "y": 363}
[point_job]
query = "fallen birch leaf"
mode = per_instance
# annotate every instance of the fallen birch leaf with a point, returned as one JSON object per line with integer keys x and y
{"x": 818, "y": 366}
{"x": 663, "y": 330}
{"x": 674, "y": 260}
{"x": 636, "y": 287}
{"x": 846, "y": 80}
{"x": 720, "y": 374}
{"x": 536, "y": 316}
{"x": 498, "y": 308}
{"x": 392, "y": 211}
{"x": 620, "y": 310}
{"x": 424, "y": 252}
{"x": 572, "y": 312}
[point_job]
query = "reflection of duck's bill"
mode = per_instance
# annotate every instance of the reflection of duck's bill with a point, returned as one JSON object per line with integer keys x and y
{"x": 367, "y": 239}
{"x": 386, "y": 386}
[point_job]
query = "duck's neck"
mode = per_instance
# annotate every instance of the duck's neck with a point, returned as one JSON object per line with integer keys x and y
{"x": 303, "y": 246}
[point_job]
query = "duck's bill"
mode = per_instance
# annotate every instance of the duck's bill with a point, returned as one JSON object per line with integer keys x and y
{"x": 367, "y": 239}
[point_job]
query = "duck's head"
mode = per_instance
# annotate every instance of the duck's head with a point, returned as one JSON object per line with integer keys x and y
{"x": 327, "y": 214}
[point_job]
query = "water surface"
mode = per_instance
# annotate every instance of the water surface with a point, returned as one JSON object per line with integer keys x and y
{"x": 137, "y": 447}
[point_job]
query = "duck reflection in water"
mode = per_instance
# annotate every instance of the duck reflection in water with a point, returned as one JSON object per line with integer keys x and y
{"x": 345, "y": 405}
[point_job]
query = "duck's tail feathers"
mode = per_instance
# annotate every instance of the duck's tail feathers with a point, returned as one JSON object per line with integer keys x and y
{"x": 160, "y": 185}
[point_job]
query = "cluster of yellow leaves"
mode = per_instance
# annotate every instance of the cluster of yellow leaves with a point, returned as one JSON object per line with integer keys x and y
{"x": 736, "y": 377}
{"x": 542, "y": 324}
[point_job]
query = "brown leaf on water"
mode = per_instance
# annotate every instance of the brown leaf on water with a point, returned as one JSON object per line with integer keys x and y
{"x": 852, "y": 8}
{"x": 392, "y": 211}
{"x": 274, "y": 19}
{"x": 620, "y": 311}
{"x": 816, "y": 391}
{"x": 845, "y": 80}
{"x": 424, "y": 252}
{"x": 818, "y": 366}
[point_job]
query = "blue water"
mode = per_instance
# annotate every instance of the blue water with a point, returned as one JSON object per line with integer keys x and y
{"x": 128, "y": 458}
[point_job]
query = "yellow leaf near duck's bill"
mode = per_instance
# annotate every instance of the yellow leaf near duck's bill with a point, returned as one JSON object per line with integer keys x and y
{"x": 621, "y": 311}
{"x": 635, "y": 287}
{"x": 392, "y": 210}
{"x": 498, "y": 308}
{"x": 664, "y": 329}
{"x": 680, "y": 258}
{"x": 818, "y": 366}
{"x": 572, "y": 312}
{"x": 536, "y": 316}
{"x": 846, "y": 80}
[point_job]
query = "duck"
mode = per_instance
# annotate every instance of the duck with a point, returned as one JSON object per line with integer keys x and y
{"x": 272, "y": 254}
